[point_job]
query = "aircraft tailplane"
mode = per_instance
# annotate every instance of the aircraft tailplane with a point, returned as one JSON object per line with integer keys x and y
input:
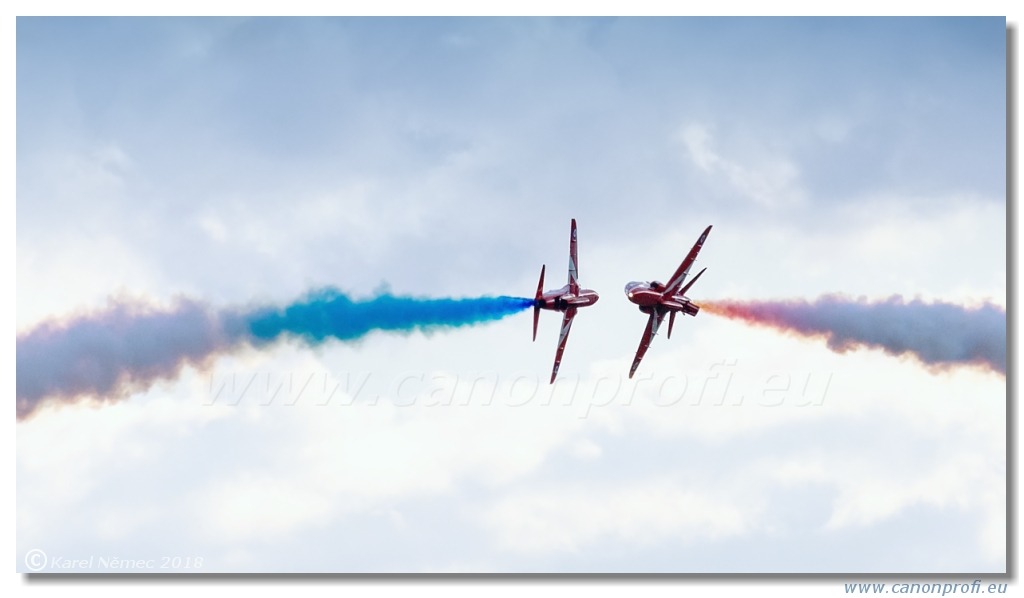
{"x": 537, "y": 302}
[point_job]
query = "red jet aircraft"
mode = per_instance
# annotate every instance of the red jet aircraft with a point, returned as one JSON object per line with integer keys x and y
{"x": 566, "y": 299}
{"x": 657, "y": 299}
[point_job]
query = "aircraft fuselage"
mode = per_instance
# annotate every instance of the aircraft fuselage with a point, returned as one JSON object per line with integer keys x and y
{"x": 562, "y": 299}
{"x": 648, "y": 297}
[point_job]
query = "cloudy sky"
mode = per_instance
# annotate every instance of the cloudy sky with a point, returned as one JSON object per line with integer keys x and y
{"x": 247, "y": 161}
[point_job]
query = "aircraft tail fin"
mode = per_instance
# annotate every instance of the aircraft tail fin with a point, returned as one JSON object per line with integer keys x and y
{"x": 671, "y": 322}
{"x": 690, "y": 284}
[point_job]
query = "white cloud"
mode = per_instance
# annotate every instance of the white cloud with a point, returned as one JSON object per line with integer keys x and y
{"x": 884, "y": 443}
{"x": 69, "y": 455}
{"x": 429, "y": 435}
{"x": 569, "y": 517}
{"x": 767, "y": 179}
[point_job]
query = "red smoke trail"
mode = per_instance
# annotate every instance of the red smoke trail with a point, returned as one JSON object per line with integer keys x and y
{"x": 940, "y": 335}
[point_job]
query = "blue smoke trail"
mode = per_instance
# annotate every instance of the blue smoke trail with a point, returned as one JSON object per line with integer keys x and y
{"x": 328, "y": 313}
{"x": 127, "y": 347}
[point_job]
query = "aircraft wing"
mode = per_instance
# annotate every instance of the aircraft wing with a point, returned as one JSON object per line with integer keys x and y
{"x": 562, "y": 337}
{"x": 574, "y": 276}
{"x": 653, "y": 323}
{"x": 674, "y": 283}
